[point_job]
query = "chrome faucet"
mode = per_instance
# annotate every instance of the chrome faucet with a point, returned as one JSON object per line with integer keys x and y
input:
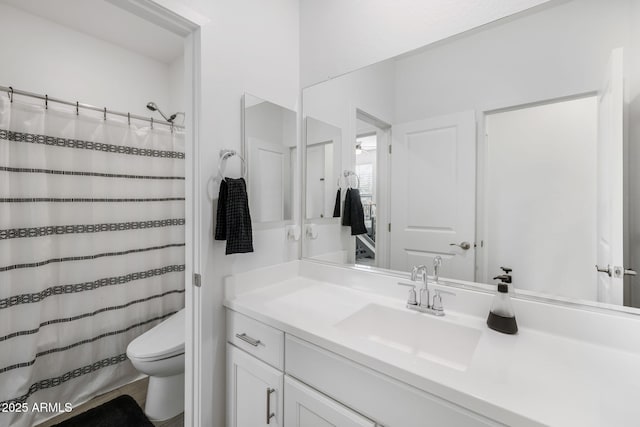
{"x": 426, "y": 305}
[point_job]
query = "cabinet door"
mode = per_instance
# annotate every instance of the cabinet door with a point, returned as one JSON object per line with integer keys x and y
{"x": 305, "y": 407}
{"x": 254, "y": 391}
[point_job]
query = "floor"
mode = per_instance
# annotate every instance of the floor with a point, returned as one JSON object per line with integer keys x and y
{"x": 137, "y": 390}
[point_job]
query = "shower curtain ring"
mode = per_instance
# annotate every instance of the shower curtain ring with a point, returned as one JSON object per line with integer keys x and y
{"x": 77, "y": 108}
{"x": 10, "y": 94}
{"x": 105, "y": 113}
{"x": 46, "y": 102}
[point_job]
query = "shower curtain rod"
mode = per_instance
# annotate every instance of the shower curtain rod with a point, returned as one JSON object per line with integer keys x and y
{"x": 46, "y": 98}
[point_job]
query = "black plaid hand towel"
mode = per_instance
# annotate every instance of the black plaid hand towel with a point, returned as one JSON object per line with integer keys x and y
{"x": 233, "y": 218}
{"x": 346, "y": 210}
{"x": 353, "y": 214}
{"x": 336, "y": 206}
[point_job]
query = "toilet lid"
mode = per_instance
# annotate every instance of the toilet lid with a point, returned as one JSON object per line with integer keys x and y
{"x": 162, "y": 341}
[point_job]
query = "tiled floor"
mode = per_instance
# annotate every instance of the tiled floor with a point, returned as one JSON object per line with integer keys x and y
{"x": 137, "y": 390}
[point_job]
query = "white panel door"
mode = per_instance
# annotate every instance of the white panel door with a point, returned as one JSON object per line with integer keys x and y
{"x": 253, "y": 390}
{"x": 610, "y": 181}
{"x": 305, "y": 407}
{"x": 433, "y": 170}
{"x": 266, "y": 187}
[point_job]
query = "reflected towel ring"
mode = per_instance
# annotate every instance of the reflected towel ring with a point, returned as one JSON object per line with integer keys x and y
{"x": 347, "y": 174}
{"x": 224, "y": 155}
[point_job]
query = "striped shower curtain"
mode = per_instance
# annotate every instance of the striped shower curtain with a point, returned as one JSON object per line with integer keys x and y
{"x": 91, "y": 251}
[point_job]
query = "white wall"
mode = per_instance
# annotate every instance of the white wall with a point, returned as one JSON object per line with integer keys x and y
{"x": 338, "y": 36}
{"x": 43, "y": 57}
{"x": 541, "y": 197}
{"x": 514, "y": 63}
{"x": 176, "y": 89}
{"x": 248, "y": 46}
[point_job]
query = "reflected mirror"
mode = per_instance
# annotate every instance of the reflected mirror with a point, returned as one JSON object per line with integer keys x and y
{"x": 513, "y": 145}
{"x": 269, "y": 148}
{"x": 323, "y": 160}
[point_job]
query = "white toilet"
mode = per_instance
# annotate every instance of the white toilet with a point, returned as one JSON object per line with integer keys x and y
{"x": 159, "y": 353}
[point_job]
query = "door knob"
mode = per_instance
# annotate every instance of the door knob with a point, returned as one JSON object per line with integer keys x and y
{"x": 617, "y": 272}
{"x": 604, "y": 270}
{"x": 463, "y": 245}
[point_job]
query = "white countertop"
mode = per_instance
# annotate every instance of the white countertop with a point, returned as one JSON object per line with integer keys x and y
{"x": 530, "y": 379}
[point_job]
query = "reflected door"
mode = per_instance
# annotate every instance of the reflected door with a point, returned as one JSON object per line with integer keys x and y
{"x": 610, "y": 182}
{"x": 433, "y": 169}
{"x": 266, "y": 186}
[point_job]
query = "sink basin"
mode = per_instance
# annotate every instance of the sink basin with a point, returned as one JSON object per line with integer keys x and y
{"x": 411, "y": 333}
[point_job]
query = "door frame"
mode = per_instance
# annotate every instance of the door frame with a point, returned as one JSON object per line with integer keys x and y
{"x": 383, "y": 184}
{"x": 187, "y": 23}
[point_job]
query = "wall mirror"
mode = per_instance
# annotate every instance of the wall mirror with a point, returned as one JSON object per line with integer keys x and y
{"x": 269, "y": 149}
{"x": 513, "y": 145}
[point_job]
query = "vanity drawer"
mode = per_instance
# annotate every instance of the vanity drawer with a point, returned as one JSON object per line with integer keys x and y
{"x": 381, "y": 398}
{"x": 256, "y": 338}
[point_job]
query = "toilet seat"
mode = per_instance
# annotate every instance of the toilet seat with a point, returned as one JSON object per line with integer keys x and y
{"x": 164, "y": 341}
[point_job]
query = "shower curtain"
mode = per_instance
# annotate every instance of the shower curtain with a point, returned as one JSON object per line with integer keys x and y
{"x": 91, "y": 251}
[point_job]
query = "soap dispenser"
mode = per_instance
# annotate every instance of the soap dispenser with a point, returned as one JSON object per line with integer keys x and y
{"x": 502, "y": 318}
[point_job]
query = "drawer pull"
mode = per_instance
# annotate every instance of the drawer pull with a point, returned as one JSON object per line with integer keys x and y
{"x": 246, "y": 338}
{"x": 269, "y": 413}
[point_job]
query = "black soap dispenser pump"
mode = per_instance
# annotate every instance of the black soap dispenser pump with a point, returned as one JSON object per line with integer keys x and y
{"x": 502, "y": 317}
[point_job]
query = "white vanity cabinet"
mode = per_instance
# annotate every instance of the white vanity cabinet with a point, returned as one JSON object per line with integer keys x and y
{"x": 254, "y": 391}
{"x": 305, "y": 407}
{"x": 277, "y": 380}
{"x": 255, "y": 365}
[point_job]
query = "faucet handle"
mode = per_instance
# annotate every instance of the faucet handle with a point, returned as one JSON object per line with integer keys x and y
{"x": 437, "y": 299}
{"x": 412, "y": 299}
{"x": 437, "y": 263}
{"x": 419, "y": 272}
{"x": 414, "y": 274}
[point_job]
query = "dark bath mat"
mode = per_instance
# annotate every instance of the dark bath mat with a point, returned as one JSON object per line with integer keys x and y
{"x": 122, "y": 411}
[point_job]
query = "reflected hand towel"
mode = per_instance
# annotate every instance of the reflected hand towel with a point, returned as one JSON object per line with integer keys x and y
{"x": 353, "y": 214}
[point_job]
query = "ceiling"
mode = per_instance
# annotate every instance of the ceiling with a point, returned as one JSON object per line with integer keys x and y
{"x": 105, "y": 21}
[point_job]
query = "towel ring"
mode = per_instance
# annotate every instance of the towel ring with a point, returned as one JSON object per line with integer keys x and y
{"x": 224, "y": 155}
{"x": 347, "y": 174}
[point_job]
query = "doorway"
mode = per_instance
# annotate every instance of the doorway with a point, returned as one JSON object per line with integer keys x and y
{"x": 105, "y": 37}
